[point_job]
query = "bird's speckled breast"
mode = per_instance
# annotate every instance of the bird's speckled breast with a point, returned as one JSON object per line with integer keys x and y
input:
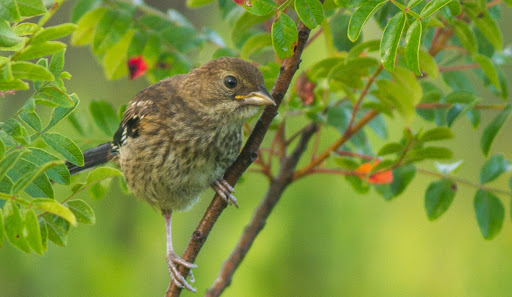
{"x": 173, "y": 176}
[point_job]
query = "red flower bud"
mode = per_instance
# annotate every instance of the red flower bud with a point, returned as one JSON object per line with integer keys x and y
{"x": 137, "y": 67}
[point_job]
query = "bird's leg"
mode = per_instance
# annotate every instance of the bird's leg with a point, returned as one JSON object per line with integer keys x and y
{"x": 173, "y": 259}
{"x": 225, "y": 190}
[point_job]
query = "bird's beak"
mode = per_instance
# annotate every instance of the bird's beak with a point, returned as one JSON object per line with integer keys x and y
{"x": 260, "y": 97}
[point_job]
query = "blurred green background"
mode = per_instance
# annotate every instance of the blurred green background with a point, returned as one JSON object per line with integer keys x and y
{"x": 321, "y": 240}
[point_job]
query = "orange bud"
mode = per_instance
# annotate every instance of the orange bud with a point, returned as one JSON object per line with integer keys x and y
{"x": 380, "y": 178}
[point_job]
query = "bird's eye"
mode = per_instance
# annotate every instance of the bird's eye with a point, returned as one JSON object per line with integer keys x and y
{"x": 230, "y": 82}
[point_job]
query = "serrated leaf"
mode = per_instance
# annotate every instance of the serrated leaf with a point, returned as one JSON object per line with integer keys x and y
{"x": 14, "y": 226}
{"x": 33, "y": 233}
{"x": 82, "y": 211}
{"x": 59, "y": 173}
{"x": 489, "y": 69}
{"x": 57, "y": 229}
{"x": 432, "y": 7}
{"x": 27, "y": 70}
{"x": 413, "y": 40}
{"x": 310, "y": 12}
{"x": 438, "y": 197}
{"x": 438, "y": 133}
{"x": 493, "y": 168}
{"x": 61, "y": 112}
{"x": 42, "y": 49}
{"x": 54, "y": 207}
{"x": 360, "y": 16}
{"x": 390, "y": 39}
{"x": 493, "y": 128}
{"x": 54, "y": 32}
{"x": 254, "y": 44}
{"x": 284, "y": 36}
{"x": 490, "y": 213}
{"x": 104, "y": 116}
{"x": 261, "y": 7}
{"x": 86, "y": 26}
{"x": 30, "y": 176}
{"x": 7, "y": 37}
{"x": 64, "y": 146}
{"x": 55, "y": 95}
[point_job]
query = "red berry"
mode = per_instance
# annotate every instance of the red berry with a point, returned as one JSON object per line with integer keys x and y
{"x": 137, "y": 67}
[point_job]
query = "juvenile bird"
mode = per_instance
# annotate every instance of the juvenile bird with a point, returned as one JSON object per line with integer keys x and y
{"x": 179, "y": 135}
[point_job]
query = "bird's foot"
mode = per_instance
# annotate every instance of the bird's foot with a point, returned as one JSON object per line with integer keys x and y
{"x": 225, "y": 190}
{"x": 173, "y": 260}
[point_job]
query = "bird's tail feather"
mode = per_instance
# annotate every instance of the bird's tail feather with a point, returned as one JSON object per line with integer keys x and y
{"x": 93, "y": 157}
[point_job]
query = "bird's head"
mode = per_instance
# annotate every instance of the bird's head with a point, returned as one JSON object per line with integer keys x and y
{"x": 229, "y": 87}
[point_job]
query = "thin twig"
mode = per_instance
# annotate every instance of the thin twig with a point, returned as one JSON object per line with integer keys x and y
{"x": 258, "y": 221}
{"x": 458, "y": 67}
{"x": 246, "y": 157}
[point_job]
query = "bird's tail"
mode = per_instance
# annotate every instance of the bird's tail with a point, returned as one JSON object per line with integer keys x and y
{"x": 93, "y": 157}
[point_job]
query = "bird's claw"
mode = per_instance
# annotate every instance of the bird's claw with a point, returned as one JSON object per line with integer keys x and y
{"x": 172, "y": 261}
{"x": 225, "y": 190}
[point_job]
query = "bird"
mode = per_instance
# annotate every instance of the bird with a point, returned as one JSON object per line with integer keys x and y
{"x": 179, "y": 135}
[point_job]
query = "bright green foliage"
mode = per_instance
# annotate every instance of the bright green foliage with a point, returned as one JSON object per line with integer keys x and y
{"x": 438, "y": 197}
{"x": 284, "y": 36}
{"x": 310, "y": 12}
{"x": 493, "y": 168}
{"x": 493, "y": 128}
{"x": 490, "y": 213}
{"x": 391, "y": 38}
{"x": 104, "y": 116}
{"x": 413, "y": 39}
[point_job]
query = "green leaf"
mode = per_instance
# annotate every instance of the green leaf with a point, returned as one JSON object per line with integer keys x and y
{"x": 57, "y": 229}
{"x": 40, "y": 50}
{"x": 110, "y": 29}
{"x": 432, "y": 7}
{"x": 30, "y": 8}
{"x": 64, "y": 146}
{"x": 390, "y": 148}
{"x": 493, "y": 128}
{"x": 7, "y": 37}
{"x": 16, "y": 84}
{"x": 81, "y": 8}
{"x": 197, "y": 3}
{"x": 59, "y": 173}
{"x": 438, "y": 197}
{"x": 11, "y": 159}
{"x": 413, "y": 3}
{"x": 402, "y": 176}
{"x": 13, "y": 128}
{"x": 490, "y": 213}
{"x": 9, "y": 11}
{"x": 99, "y": 190}
{"x": 30, "y": 176}
{"x": 310, "y": 12}
{"x": 82, "y": 211}
{"x": 33, "y": 233}
{"x": 54, "y": 32}
{"x": 14, "y": 226}
{"x": 55, "y": 95}
{"x": 368, "y": 46}
{"x": 61, "y": 112}
{"x": 324, "y": 67}
{"x": 487, "y": 25}
{"x": 430, "y": 152}
{"x": 390, "y": 39}
{"x": 243, "y": 25}
{"x": 57, "y": 62}
{"x": 352, "y": 72}
{"x": 27, "y": 70}
{"x": 86, "y": 26}
{"x": 152, "y": 48}
{"x": 54, "y": 207}
{"x": 489, "y": 69}
{"x": 32, "y": 119}
{"x": 100, "y": 174}
{"x": 413, "y": 40}
{"x": 254, "y": 44}
{"x": 26, "y": 29}
{"x": 438, "y": 133}
{"x": 493, "y": 168}
{"x": 284, "y": 36}
{"x": 116, "y": 58}
{"x": 360, "y": 16}
{"x": 104, "y": 116}
{"x": 40, "y": 185}
{"x": 466, "y": 36}
{"x": 2, "y": 150}
{"x": 43, "y": 230}
{"x": 261, "y": 7}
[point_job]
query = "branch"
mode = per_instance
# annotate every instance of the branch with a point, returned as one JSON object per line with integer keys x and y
{"x": 246, "y": 157}
{"x": 258, "y": 221}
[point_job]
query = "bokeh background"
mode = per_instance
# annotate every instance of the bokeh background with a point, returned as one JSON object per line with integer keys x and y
{"x": 321, "y": 240}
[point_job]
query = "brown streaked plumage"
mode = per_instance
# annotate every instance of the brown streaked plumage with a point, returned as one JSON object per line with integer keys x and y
{"x": 179, "y": 135}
